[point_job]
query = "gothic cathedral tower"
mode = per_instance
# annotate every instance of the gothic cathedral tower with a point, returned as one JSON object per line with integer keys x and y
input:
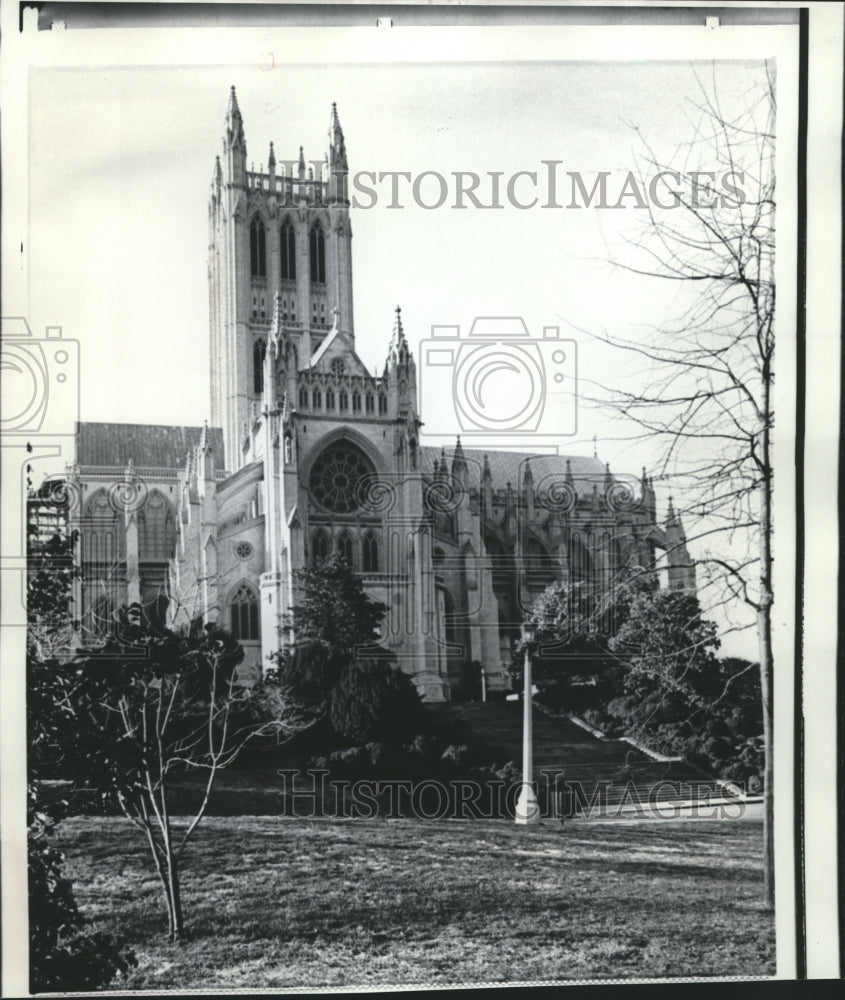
{"x": 284, "y": 232}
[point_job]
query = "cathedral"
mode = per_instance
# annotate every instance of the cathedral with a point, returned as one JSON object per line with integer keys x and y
{"x": 307, "y": 453}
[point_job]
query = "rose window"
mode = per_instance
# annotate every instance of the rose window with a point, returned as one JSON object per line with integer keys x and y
{"x": 337, "y": 480}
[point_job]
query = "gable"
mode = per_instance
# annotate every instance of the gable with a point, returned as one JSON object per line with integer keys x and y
{"x": 337, "y": 346}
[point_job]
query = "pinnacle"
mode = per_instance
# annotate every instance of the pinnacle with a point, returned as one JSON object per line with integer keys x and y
{"x": 277, "y": 323}
{"x": 398, "y": 329}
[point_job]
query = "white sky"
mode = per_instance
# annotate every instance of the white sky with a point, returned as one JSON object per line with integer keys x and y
{"x": 121, "y": 159}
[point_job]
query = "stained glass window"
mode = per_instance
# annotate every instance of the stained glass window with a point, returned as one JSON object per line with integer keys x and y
{"x": 336, "y": 478}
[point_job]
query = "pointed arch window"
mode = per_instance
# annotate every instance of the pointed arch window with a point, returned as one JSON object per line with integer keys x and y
{"x": 303, "y": 398}
{"x": 580, "y": 562}
{"x": 156, "y": 529}
{"x": 343, "y": 401}
{"x": 259, "y": 352}
{"x": 356, "y": 402}
{"x": 287, "y": 252}
{"x": 319, "y": 546}
{"x": 244, "y": 613}
{"x": 370, "y": 403}
{"x": 344, "y": 547}
{"x": 257, "y": 249}
{"x": 316, "y": 399}
{"x": 382, "y": 404}
{"x": 317, "y": 249}
{"x": 103, "y": 532}
{"x": 370, "y": 552}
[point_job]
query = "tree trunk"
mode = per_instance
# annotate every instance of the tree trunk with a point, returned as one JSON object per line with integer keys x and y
{"x": 764, "y": 638}
{"x": 176, "y": 921}
{"x": 766, "y": 684}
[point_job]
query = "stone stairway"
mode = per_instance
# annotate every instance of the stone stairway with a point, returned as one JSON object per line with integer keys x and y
{"x": 609, "y": 772}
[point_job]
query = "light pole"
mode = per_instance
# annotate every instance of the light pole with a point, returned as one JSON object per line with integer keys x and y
{"x": 527, "y": 808}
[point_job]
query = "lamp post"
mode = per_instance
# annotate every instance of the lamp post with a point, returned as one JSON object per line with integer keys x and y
{"x": 527, "y": 808}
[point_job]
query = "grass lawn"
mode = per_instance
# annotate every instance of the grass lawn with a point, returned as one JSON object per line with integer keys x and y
{"x": 273, "y": 902}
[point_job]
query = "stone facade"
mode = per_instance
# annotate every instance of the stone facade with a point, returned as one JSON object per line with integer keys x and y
{"x": 311, "y": 454}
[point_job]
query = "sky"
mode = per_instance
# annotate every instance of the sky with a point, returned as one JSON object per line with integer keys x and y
{"x": 121, "y": 160}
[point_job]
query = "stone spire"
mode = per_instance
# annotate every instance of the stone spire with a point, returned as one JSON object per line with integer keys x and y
{"x": 271, "y": 159}
{"x": 680, "y": 567}
{"x": 459, "y": 464}
{"x": 444, "y": 466}
{"x": 301, "y": 164}
{"x": 234, "y": 122}
{"x": 528, "y": 475}
{"x": 528, "y": 489}
{"x": 399, "y": 352}
{"x": 337, "y": 146}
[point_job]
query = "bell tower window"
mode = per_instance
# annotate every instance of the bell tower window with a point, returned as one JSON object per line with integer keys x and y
{"x": 257, "y": 249}
{"x": 258, "y": 353}
{"x": 287, "y": 253}
{"x": 318, "y": 255}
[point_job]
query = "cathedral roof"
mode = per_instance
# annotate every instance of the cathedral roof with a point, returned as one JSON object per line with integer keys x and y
{"x": 509, "y": 466}
{"x": 149, "y": 446}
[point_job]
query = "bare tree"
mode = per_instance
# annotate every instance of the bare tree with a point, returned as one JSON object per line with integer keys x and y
{"x": 703, "y": 390}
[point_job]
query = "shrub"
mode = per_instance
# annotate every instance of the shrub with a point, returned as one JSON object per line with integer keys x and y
{"x": 375, "y": 702}
{"x": 64, "y": 955}
{"x": 311, "y": 671}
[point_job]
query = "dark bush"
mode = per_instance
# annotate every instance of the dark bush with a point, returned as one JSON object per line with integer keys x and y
{"x": 374, "y": 701}
{"x": 64, "y": 954}
{"x": 311, "y": 671}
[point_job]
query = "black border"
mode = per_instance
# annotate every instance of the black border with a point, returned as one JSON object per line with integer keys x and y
{"x": 800, "y": 431}
{"x": 840, "y": 644}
